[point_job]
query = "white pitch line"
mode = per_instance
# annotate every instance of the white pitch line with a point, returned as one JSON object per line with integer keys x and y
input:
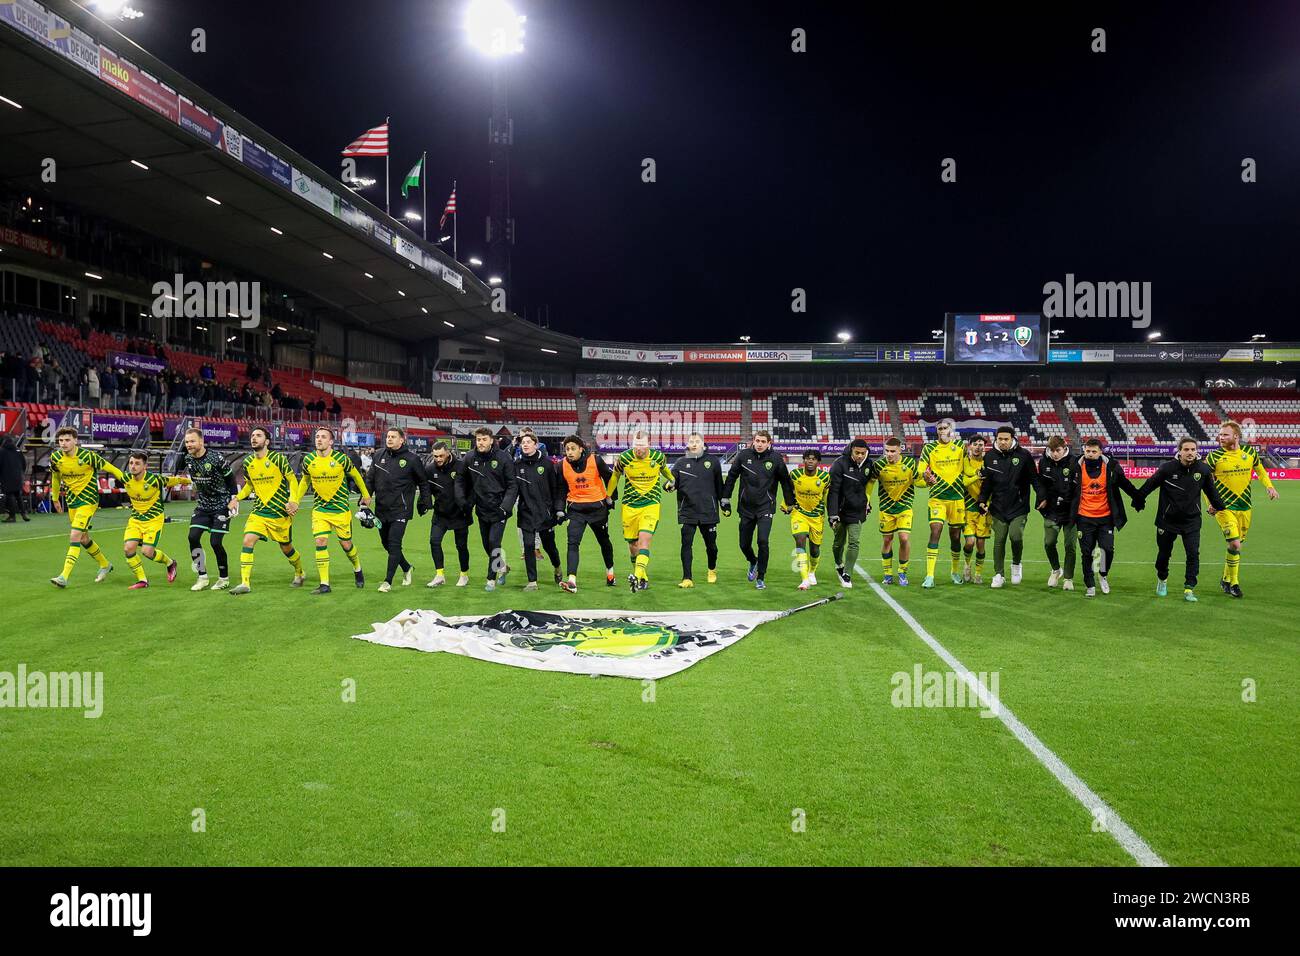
{"x": 1124, "y": 835}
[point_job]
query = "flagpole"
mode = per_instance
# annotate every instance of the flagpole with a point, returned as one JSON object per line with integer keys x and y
{"x": 455, "y": 227}
{"x": 424, "y": 191}
{"x": 387, "y": 149}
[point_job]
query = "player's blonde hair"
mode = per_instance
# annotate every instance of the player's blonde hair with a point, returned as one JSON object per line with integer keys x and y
{"x": 1235, "y": 426}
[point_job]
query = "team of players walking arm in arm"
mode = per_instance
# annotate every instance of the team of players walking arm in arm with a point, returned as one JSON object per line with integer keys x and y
{"x": 979, "y": 492}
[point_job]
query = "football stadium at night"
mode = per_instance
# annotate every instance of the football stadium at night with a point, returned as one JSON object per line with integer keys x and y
{"x": 915, "y": 481}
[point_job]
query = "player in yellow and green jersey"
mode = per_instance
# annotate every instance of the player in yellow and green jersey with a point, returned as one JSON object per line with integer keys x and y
{"x": 898, "y": 475}
{"x": 145, "y": 527}
{"x": 268, "y": 475}
{"x": 641, "y": 468}
{"x": 74, "y": 471}
{"x": 979, "y": 525}
{"x": 943, "y": 462}
{"x": 808, "y": 515}
{"x": 1232, "y": 464}
{"x": 327, "y": 472}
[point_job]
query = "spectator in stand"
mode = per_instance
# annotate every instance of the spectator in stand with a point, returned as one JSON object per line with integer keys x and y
{"x": 7, "y": 376}
{"x": 91, "y": 380}
{"x": 276, "y": 393}
{"x": 35, "y": 380}
{"x": 132, "y": 387}
{"x": 13, "y": 469}
{"x": 336, "y": 409}
{"x": 108, "y": 388}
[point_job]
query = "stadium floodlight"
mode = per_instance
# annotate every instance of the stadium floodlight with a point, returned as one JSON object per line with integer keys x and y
{"x": 450, "y": 325}
{"x": 844, "y": 336}
{"x": 549, "y": 351}
{"x": 1057, "y": 332}
{"x": 412, "y": 215}
{"x": 215, "y": 202}
{"x": 494, "y": 28}
{"x": 492, "y": 338}
{"x": 136, "y": 162}
{"x": 282, "y": 328}
{"x": 424, "y": 310}
{"x": 367, "y": 275}
{"x": 1152, "y": 335}
{"x": 401, "y": 293}
{"x": 494, "y": 280}
{"x": 745, "y": 338}
{"x": 91, "y": 275}
{"x": 276, "y": 231}
{"x": 5, "y": 99}
{"x": 326, "y": 255}
{"x": 475, "y": 261}
{"x": 1258, "y": 337}
{"x": 443, "y": 239}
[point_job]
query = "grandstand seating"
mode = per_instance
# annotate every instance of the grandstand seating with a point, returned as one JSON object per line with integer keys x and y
{"x": 822, "y": 415}
{"x": 1032, "y": 414}
{"x": 547, "y": 409}
{"x": 667, "y": 415}
{"x": 1265, "y": 416}
{"x": 1141, "y": 417}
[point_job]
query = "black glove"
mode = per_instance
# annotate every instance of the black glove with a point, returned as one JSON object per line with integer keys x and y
{"x": 835, "y": 521}
{"x": 422, "y": 507}
{"x": 726, "y": 507}
{"x": 1139, "y": 504}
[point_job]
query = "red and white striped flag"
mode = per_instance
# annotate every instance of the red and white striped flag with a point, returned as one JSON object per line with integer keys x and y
{"x": 450, "y": 210}
{"x": 373, "y": 142}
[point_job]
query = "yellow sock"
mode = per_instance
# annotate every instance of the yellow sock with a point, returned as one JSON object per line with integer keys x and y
{"x": 902, "y": 567}
{"x": 642, "y": 564}
{"x": 323, "y": 563}
{"x": 95, "y": 552}
{"x": 801, "y": 561}
{"x": 438, "y": 571}
{"x": 813, "y": 562}
{"x": 296, "y": 560}
{"x": 1232, "y": 567}
{"x": 887, "y": 563}
{"x": 354, "y": 555}
{"x": 979, "y": 563}
{"x": 70, "y": 560}
{"x": 136, "y": 565}
{"x": 246, "y": 566}
{"x": 931, "y": 559}
{"x": 160, "y": 556}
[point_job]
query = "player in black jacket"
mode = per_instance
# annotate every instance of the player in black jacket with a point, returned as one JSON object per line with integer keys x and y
{"x": 215, "y": 489}
{"x": 760, "y": 470}
{"x": 399, "y": 484}
{"x": 448, "y": 515}
{"x": 487, "y": 483}
{"x": 698, "y": 477}
{"x": 1009, "y": 474}
{"x": 847, "y": 506}
{"x": 1057, "y": 476}
{"x": 1181, "y": 481}
{"x": 541, "y": 505}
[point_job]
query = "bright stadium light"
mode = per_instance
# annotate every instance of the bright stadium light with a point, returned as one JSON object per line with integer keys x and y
{"x": 745, "y": 338}
{"x": 475, "y": 261}
{"x": 843, "y": 336}
{"x": 494, "y": 280}
{"x": 1057, "y": 333}
{"x": 215, "y": 202}
{"x": 549, "y": 351}
{"x": 5, "y": 99}
{"x": 367, "y": 275}
{"x": 1152, "y": 335}
{"x": 412, "y": 215}
{"x": 136, "y": 162}
{"x": 450, "y": 325}
{"x": 494, "y": 28}
{"x": 492, "y": 338}
{"x": 276, "y": 231}
{"x": 91, "y": 275}
{"x": 1258, "y": 337}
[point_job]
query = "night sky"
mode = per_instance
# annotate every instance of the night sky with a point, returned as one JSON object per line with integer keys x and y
{"x": 818, "y": 170}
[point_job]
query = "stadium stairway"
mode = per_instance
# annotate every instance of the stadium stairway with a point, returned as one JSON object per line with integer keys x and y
{"x": 895, "y": 415}
{"x": 1214, "y": 405}
{"x": 1071, "y": 429}
{"x": 746, "y": 413}
{"x": 584, "y": 415}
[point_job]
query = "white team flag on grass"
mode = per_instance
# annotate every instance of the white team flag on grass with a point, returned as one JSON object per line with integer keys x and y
{"x": 609, "y": 643}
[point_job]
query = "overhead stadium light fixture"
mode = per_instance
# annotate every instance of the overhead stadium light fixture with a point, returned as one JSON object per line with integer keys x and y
{"x": 551, "y": 351}
{"x": 746, "y": 338}
{"x": 475, "y": 261}
{"x": 424, "y": 310}
{"x": 215, "y": 202}
{"x": 91, "y": 275}
{"x": 367, "y": 275}
{"x": 276, "y": 231}
{"x": 326, "y": 255}
{"x": 843, "y": 336}
{"x": 136, "y": 162}
{"x": 412, "y": 215}
{"x": 492, "y": 338}
{"x": 494, "y": 280}
{"x": 401, "y": 293}
{"x": 494, "y": 28}
{"x": 1152, "y": 335}
{"x": 449, "y": 325}
{"x": 5, "y": 99}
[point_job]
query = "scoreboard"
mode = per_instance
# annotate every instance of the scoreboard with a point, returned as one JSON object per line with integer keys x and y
{"x": 995, "y": 338}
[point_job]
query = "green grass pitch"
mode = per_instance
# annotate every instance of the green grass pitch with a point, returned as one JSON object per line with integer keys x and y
{"x": 784, "y": 749}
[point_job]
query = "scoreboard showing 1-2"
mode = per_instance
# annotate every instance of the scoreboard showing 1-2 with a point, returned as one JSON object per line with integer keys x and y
{"x": 995, "y": 338}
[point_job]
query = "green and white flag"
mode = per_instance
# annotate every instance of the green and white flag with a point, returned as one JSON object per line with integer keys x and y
{"x": 610, "y": 643}
{"x": 413, "y": 177}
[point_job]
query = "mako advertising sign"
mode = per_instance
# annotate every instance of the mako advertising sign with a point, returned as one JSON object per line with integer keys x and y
{"x": 127, "y": 78}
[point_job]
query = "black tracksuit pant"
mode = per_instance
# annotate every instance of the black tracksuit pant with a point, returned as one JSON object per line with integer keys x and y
{"x": 391, "y": 534}
{"x": 1094, "y": 533}
{"x": 548, "y": 545}
{"x": 709, "y": 532}
{"x": 748, "y": 525}
{"x": 437, "y": 532}
{"x": 1191, "y": 549}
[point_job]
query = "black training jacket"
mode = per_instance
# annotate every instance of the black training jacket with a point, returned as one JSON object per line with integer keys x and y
{"x": 1181, "y": 487}
{"x": 759, "y": 477}
{"x": 1056, "y": 480}
{"x": 1008, "y": 477}
{"x": 487, "y": 483}
{"x": 847, "y": 499}
{"x": 447, "y": 511}
{"x": 699, "y": 488}
{"x": 540, "y": 494}
{"x": 396, "y": 479}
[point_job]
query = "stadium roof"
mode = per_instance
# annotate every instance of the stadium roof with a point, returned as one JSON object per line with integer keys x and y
{"x": 93, "y": 131}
